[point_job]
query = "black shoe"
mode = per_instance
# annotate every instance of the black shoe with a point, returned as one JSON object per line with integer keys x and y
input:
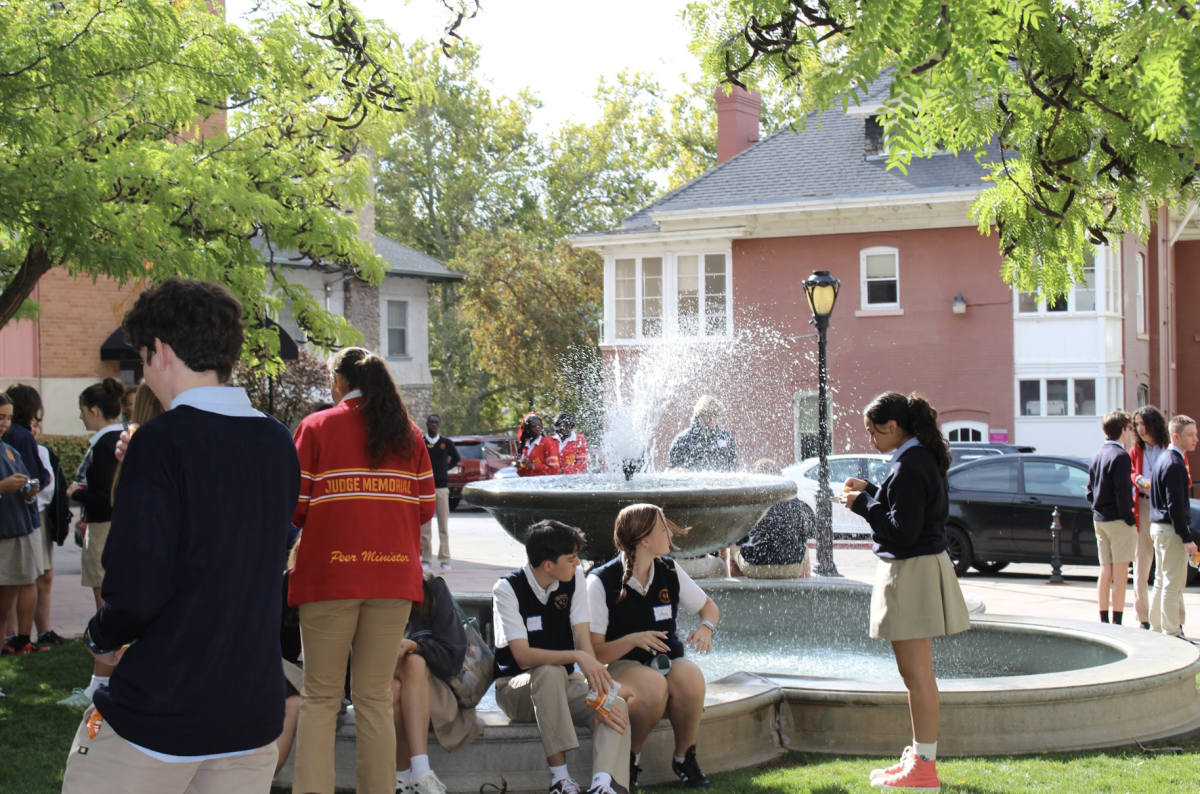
{"x": 689, "y": 771}
{"x": 52, "y": 638}
{"x": 1146, "y": 626}
{"x": 634, "y": 771}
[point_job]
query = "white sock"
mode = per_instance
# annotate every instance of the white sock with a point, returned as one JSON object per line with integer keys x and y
{"x": 403, "y": 776}
{"x": 679, "y": 759}
{"x": 558, "y": 773}
{"x": 927, "y": 750}
{"x": 420, "y": 765}
{"x": 637, "y": 759}
{"x": 97, "y": 682}
{"x": 602, "y": 779}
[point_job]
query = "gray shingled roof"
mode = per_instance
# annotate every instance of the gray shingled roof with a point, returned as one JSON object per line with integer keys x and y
{"x": 402, "y": 260}
{"x": 823, "y": 161}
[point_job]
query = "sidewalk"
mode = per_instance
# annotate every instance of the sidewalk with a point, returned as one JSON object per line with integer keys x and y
{"x": 483, "y": 551}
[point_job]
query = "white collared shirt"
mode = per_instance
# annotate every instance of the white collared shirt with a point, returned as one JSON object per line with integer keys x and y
{"x": 224, "y": 400}
{"x": 350, "y": 395}
{"x": 120, "y": 428}
{"x": 905, "y": 447}
{"x": 562, "y": 442}
{"x": 506, "y": 611}
{"x": 691, "y": 597}
{"x": 434, "y": 440}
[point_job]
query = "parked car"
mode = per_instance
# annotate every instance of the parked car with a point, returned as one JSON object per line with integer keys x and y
{"x": 963, "y": 451}
{"x": 482, "y": 457}
{"x": 873, "y": 467}
{"x": 1001, "y": 508}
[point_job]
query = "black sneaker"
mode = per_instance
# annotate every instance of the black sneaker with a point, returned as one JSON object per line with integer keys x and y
{"x": 634, "y": 771}
{"x": 1146, "y": 626}
{"x": 52, "y": 637}
{"x": 689, "y": 771}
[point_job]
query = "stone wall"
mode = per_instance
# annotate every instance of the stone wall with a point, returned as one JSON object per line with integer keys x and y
{"x": 419, "y": 400}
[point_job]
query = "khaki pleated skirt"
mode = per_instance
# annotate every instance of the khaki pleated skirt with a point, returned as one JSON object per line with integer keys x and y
{"x": 916, "y": 598}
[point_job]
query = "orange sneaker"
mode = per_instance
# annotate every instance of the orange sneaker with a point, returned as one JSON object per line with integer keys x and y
{"x": 895, "y": 768}
{"x": 919, "y": 775}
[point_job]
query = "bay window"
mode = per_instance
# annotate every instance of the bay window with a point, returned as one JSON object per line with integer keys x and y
{"x": 664, "y": 295}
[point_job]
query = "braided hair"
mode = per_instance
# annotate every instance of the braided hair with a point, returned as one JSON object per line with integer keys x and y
{"x": 915, "y": 416}
{"x": 634, "y": 523}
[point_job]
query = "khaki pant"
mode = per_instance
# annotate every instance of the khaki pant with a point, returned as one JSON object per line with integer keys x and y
{"x": 107, "y": 764}
{"x": 1143, "y": 561}
{"x": 557, "y": 703}
{"x": 329, "y": 630}
{"x": 443, "y": 520}
{"x": 752, "y": 571}
{"x": 1169, "y": 580}
{"x": 454, "y": 726}
{"x": 91, "y": 569}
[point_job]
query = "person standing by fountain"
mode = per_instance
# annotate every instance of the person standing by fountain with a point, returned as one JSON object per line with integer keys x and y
{"x": 916, "y": 595}
{"x": 572, "y": 446}
{"x": 539, "y": 452}
{"x": 1111, "y": 498}
{"x": 634, "y": 601}
{"x": 1171, "y": 527}
{"x": 1152, "y": 439}
{"x": 366, "y": 489}
{"x": 443, "y": 456}
{"x": 543, "y": 630}
{"x": 704, "y": 445}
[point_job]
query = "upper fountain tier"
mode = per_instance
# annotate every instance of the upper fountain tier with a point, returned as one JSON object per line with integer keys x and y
{"x": 720, "y": 508}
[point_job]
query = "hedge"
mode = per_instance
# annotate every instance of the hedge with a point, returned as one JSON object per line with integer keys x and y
{"x": 70, "y": 451}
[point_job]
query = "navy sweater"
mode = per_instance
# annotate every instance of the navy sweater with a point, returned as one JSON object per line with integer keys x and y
{"x": 21, "y": 439}
{"x": 99, "y": 472}
{"x": 1108, "y": 488}
{"x": 193, "y": 569}
{"x": 1169, "y": 502}
{"x": 908, "y": 510}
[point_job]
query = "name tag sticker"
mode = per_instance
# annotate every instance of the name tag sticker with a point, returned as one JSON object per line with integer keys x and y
{"x": 534, "y": 623}
{"x": 722, "y": 443}
{"x": 662, "y": 613}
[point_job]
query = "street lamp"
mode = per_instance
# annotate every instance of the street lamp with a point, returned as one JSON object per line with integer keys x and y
{"x": 822, "y": 291}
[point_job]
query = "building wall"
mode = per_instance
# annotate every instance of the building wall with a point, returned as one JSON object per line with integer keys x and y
{"x": 1136, "y": 346}
{"x": 1187, "y": 328}
{"x": 961, "y": 362}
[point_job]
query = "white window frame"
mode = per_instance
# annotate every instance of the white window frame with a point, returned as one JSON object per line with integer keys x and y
{"x": 1112, "y": 279}
{"x": 387, "y": 327}
{"x": 1107, "y": 277}
{"x": 862, "y": 276}
{"x": 982, "y": 427}
{"x": 670, "y": 289}
{"x": 1143, "y": 312}
{"x": 1103, "y": 390}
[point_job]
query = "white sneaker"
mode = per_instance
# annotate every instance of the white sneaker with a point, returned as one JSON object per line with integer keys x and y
{"x": 79, "y": 698}
{"x": 425, "y": 567}
{"x": 565, "y": 786}
{"x": 405, "y": 787}
{"x": 428, "y": 783}
{"x": 445, "y": 566}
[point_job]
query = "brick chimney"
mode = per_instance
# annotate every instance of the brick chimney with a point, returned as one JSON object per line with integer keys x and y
{"x": 737, "y": 121}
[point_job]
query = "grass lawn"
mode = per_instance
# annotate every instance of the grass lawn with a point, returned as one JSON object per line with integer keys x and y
{"x": 35, "y": 735}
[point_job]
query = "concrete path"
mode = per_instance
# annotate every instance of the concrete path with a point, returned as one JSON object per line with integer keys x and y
{"x": 483, "y": 551}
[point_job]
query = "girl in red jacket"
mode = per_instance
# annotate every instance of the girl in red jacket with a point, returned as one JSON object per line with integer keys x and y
{"x": 572, "y": 446}
{"x": 366, "y": 489}
{"x": 539, "y": 452}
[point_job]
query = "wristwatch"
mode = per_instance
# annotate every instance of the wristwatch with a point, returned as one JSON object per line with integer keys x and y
{"x": 710, "y": 625}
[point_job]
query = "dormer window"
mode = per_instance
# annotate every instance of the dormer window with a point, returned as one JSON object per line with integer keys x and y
{"x": 873, "y": 142}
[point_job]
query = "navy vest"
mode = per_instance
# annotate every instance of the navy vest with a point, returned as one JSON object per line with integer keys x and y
{"x": 655, "y": 611}
{"x": 554, "y": 617}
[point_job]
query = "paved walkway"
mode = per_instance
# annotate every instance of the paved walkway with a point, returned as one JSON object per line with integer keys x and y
{"x": 483, "y": 551}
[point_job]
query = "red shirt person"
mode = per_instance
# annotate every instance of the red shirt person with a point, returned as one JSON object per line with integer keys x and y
{"x": 539, "y": 452}
{"x": 572, "y": 446}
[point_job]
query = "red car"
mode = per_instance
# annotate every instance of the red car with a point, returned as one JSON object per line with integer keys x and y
{"x": 482, "y": 457}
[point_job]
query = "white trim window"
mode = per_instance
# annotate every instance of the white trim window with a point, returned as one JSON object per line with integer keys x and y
{"x": 1061, "y": 396}
{"x": 397, "y": 329}
{"x": 879, "y": 280}
{"x": 668, "y": 294}
{"x": 1112, "y": 278}
{"x": 965, "y": 431}
{"x": 1101, "y": 280}
{"x": 1142, "y": 309}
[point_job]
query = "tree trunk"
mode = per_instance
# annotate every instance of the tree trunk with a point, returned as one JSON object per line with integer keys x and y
{"x": 37, "y": 264}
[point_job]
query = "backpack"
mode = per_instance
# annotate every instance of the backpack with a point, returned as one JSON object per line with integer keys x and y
{"x": 58, "y": 512}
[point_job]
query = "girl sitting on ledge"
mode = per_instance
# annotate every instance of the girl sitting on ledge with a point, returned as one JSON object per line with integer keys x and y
{"x": 634, "y": 601}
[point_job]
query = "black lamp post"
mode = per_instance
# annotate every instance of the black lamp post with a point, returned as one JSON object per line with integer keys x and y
{"x": 822, "y": 291}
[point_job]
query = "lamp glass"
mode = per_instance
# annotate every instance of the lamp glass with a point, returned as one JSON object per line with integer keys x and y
{"x": 821, "y": 298}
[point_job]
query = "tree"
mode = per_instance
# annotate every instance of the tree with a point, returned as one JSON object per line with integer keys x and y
{"x": 290, "y": 395}
{"x": 1095, "y": 103}
{"x": 108, "y": 168}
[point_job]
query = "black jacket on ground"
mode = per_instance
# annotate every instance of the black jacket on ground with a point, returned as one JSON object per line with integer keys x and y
{"x": 442, "y": 638}
{"x": 1169, "y": 502}
{"x": 699, "y": 449}
{"x": 780, "y": 537}
{"x": 908, "y": 510}
{"x": 1109, "y": 491}
{"x": 193, "y": 569}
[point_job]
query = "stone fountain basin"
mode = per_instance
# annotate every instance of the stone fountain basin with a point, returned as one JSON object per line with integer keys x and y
{"x": 720, "y": 508}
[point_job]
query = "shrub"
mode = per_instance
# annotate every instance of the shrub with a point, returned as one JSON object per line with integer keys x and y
{"x": 70, "y": 451}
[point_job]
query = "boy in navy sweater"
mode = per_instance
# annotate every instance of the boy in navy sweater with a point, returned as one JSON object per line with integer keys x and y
{"x": 193, "y": 568}
{"x": 1171, "y": 527}
{"x": 1111, "y": 499}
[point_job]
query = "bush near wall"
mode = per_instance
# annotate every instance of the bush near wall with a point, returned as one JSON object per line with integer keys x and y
{"x": 70, "y": 451}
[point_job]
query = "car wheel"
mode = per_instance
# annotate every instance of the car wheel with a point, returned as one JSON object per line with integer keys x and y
{"x": 959, "y": 549}
{"x": 989, "y": 567}
{"x": 454, "y": 500}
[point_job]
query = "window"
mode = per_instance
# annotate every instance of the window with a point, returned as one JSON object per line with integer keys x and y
{"x": 880, "y": 269}
{"x": 1116, "y": 394}
{"x": 1112, "y": 279}
{"x": 965, "y": 434}
{"x": 1044, "y": 478}
{"x": 1143, "y": 395}
{"x": 965, "y": 431}
{"x": 1027, "y": 303}
{"x": 657, "y": 296}
{"x": 288, "y": 322}
{"x": 397, "y": 328}
{"x": 998, "y": 476}
{"x": 1142, "y": 308}
{"x": 840, "y": 470}
{"x": 1056, "y": 398}
{"x": 1085, "y": 397}
{"x": 1059, "y": 305}
{"x": 1031, "y": 397}
{"x": 1085, "y": 290}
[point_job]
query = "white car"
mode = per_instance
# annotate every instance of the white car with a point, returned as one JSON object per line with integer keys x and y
{"x": 872, "y": 467}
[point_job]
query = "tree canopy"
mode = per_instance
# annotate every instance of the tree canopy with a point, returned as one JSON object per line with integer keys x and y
{"x": 111, "y": 165}
{"x": 1095, "y": 103}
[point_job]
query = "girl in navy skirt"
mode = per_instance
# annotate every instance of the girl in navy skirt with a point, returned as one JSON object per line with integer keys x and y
{"x": 916, "y": 595}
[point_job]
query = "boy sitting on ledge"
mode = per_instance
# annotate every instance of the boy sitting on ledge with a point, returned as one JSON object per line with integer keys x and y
{"x": 543, "y": 631}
